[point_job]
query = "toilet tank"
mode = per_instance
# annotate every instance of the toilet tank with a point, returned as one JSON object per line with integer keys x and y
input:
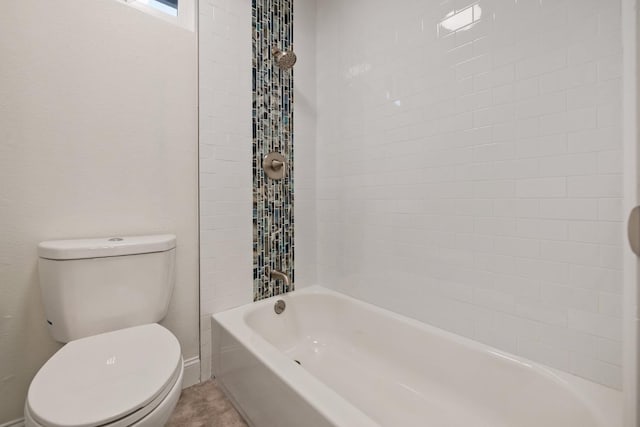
{"x": 90, "y": 286}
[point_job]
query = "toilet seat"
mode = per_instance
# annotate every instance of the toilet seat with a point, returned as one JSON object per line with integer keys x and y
{"x": 112, "y": 379}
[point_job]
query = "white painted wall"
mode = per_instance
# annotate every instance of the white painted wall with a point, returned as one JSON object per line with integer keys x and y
{"x": 470, "y": 177}
{"x": 226, "y": 257}
{"x": 98, "y": 136}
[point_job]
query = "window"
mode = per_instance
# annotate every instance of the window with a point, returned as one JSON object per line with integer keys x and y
{"x": 181, "y": 12}
{"x": 168, "y": 7}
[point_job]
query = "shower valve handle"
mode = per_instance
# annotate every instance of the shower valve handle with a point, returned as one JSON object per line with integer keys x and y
{"x": 273, "y": 165}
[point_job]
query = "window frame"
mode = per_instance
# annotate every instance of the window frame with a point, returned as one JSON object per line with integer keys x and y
{"x": 186, "y": 17}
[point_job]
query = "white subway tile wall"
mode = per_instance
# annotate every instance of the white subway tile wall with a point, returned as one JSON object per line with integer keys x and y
{"x": 304, "y": 129}
{"x": 226, "y": 257}
{"x": 469, "y": 170}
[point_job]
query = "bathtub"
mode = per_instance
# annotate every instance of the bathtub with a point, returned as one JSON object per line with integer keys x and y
{"x": 331, "y": 360}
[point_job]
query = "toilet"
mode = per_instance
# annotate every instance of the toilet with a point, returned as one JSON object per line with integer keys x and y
{"x": 103, "y": 297}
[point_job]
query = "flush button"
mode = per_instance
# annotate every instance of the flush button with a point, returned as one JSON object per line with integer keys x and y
{"x": 116, "y": 239}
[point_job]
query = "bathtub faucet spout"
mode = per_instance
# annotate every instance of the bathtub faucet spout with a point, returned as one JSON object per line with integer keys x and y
{"x": 279, "y": 275}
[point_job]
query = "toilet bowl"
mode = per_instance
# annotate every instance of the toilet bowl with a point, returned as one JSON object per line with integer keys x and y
{"x": 128, "y": 377}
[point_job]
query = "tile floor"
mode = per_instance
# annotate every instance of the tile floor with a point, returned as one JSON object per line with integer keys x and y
{"x": 205, "y": 405}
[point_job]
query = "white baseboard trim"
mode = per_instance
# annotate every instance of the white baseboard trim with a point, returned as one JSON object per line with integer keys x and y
{"x": 15, "y": 423}
{"x": 191, "y": 372}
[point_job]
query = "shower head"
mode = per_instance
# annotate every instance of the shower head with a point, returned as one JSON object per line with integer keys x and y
{"x": 285, "y": 60}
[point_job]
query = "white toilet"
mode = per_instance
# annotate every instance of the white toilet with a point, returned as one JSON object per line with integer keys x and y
{"x": 119, "y": 368}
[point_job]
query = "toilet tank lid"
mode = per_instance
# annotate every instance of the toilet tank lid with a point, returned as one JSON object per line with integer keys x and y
{"x": 105, "y": 247}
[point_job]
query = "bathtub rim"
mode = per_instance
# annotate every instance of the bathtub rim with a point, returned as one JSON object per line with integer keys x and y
{"x": 604, "y": 403}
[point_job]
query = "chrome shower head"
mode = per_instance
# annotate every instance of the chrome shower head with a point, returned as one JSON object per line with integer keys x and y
{"x": 285, "y": 60}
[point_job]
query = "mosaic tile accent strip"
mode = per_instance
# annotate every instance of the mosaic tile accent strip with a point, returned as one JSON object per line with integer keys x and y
{"x": 273, "y": 246}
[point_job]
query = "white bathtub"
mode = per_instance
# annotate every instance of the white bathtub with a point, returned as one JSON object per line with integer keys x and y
{"x": 364, "y": 366}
